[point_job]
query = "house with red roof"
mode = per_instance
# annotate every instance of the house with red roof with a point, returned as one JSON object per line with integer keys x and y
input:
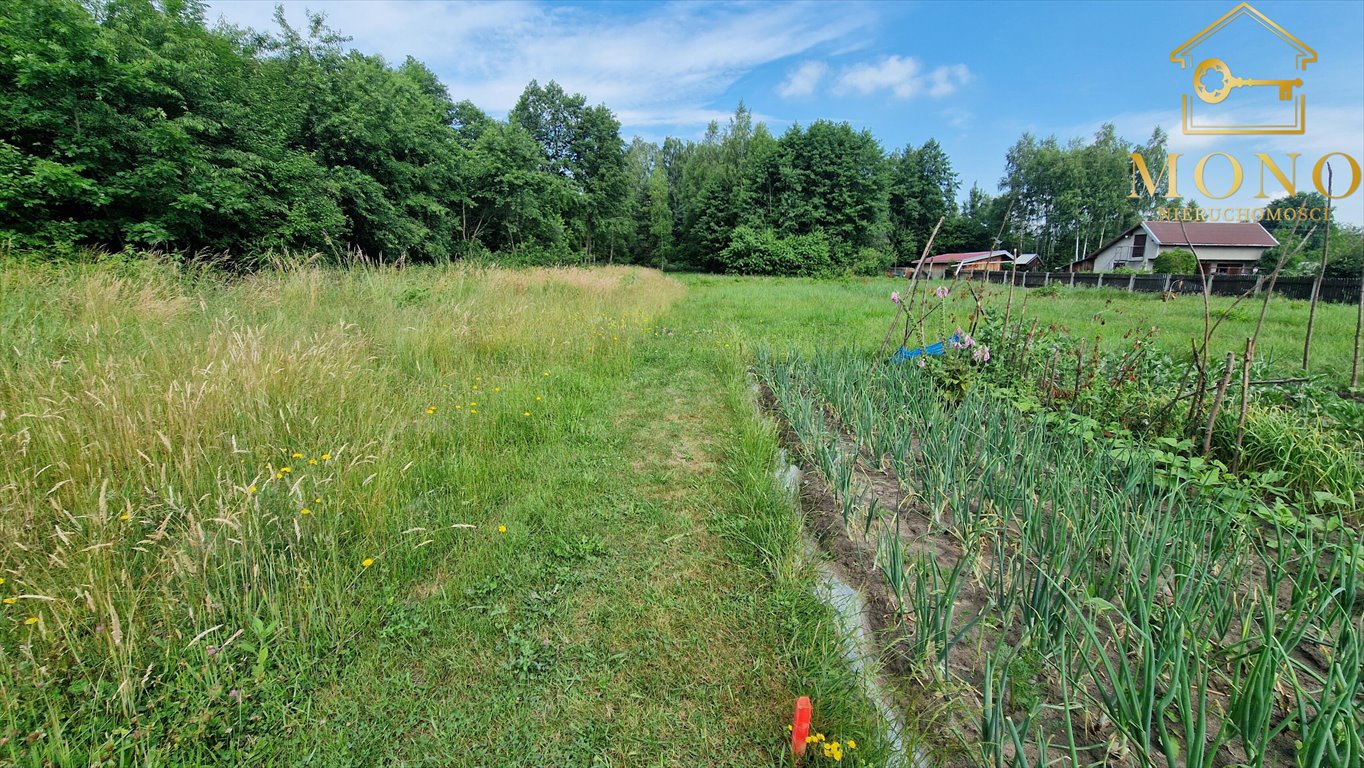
{"x": 1224, "y": 248}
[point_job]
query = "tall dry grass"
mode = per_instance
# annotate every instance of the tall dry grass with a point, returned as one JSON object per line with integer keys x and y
{"x": 162, "y": 433}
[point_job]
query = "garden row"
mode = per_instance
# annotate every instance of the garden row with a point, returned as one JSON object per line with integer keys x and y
{"x": 1069, "y": 597}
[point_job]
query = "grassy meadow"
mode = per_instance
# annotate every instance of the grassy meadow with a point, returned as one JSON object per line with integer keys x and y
{"x": 854, "y": 313}
{"x": 432, "y": 516}
{"x": 428, "y": 516}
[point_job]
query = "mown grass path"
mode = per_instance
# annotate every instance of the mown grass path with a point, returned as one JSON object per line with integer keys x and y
{"x": 645, "y": 607}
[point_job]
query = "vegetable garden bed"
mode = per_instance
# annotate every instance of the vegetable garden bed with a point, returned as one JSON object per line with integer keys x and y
{"x": 1055, "y": 604}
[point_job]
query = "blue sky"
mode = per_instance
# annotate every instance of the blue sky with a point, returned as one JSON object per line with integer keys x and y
{"x": 974, "y": 75}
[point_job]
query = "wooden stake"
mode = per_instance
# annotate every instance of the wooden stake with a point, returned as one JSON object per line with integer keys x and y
{"x": 1359, "y": 331}
{"x": 1245, "y": 403}
{"x": 1321, "y": 273}
{"x": 1217, "y": 403}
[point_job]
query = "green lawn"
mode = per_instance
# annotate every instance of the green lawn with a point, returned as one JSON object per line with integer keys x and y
{"x": 855, "y": 313}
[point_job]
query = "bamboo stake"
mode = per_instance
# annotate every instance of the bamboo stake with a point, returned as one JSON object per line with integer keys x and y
{"x": 1217, "y": 403}
{"x": 1200, "y": 353}
{"x": 1008, "y": 306}
{"x": 913, "y": 285}
{"x": 1274, "y": 276}
{"x": 1245, "y": 403}
{"x": 994, "y": 245}
{"x": 1321, "y": 273}
{"x": 1359, "y": 332}
{"x": 1200, "y": 386}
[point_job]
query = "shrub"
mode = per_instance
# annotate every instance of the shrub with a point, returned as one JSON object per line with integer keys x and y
{"x": 762, "y": 252}
{"x": 1176, "y": 262}
{"x": 870, "y": 261}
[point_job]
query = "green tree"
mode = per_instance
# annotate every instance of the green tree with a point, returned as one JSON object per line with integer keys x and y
{"x": 582, "y": 146}
{"x": 660, "y": 217}
{"x": 922, "y": 189}
{"x": 1176, "y": 261}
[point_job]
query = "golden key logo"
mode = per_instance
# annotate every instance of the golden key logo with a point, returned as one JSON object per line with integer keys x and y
{"x": 1249, "y": 101}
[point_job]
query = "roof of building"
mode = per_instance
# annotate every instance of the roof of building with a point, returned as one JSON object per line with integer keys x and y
{"x": 1196, "y": 233}
{"x": 963, "y": 258}
{"x": 1249, "y": 234}
{"x": 1026, "y": 258}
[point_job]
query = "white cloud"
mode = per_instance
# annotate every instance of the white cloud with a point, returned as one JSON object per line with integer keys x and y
{"x": 904, "y": 77}
{"x": 668, "y": 63}
{"x": 947, "y": 79}
{"x": 803, "y": 79}
{"x": 957, "y": 118}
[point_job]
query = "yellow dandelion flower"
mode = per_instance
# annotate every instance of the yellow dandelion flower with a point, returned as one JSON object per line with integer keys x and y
{"x": 31, "y": 620}
{"x": 473, "y": 405}
{"x": 478, "y": 378}
{"x": 11, "y": 600}
{"x": 286, "y": 470}
{"x": 475, "y": 387}
{"x": 2, "y": 579}
{"x": 525, "y": 413}
{"x": 430, "y": 411}
{"x": 312, "y": 462}
{"x": 852, "y": 744}
{"x": 305, "y": 511}
{"x": 497, "y": 389}
{"x": 295, "y": 455}
{"x": 538, "y": 398}
{"x": 457, "y": 407}
{"x": 326, "y": 457}
{"x": 367, "y": 562}
{"x": 279, "y": 475}
{"x": 317, "y": 500}
{"x": 250, "y": 489}
{"x": 471, "y": 410}
{"x": 125, "y": 517}
{"x": 546, "y": 373}
{"x": 501, "y": 529}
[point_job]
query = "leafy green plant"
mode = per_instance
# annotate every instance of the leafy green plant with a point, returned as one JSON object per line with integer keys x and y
{"x": 1176, "y": 261}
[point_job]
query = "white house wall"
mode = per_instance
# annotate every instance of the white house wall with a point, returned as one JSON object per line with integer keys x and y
{"x": 1221, "y": 252}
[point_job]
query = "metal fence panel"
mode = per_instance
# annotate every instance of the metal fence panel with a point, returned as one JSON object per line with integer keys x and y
{"x": 1344, "y": 290}
{"x": 1148, "y": 283}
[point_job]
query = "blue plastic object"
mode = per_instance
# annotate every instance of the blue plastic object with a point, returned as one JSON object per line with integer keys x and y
{"x": 903, "y": 354}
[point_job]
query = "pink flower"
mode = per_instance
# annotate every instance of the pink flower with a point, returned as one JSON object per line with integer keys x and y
{"x": 234, "y": 694}
{"x": 894, "y": 297}
{"x": 981, "y": 355}
{"x": 942, "y": 292}
{"x": 922, "y": 364}
{"x": 968, "y": 341}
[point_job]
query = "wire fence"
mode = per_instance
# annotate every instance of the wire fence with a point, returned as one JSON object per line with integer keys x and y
{"x": 1344, "y": 290}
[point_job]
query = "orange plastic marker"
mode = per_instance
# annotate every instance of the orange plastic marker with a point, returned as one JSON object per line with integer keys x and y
{"x": 800, "y": 725}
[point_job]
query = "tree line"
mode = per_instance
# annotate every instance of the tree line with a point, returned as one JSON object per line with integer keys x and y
{"x": 136, "y": 124}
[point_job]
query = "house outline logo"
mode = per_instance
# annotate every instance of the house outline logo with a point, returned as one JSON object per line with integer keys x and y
{"x": 1304, "y": 55}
